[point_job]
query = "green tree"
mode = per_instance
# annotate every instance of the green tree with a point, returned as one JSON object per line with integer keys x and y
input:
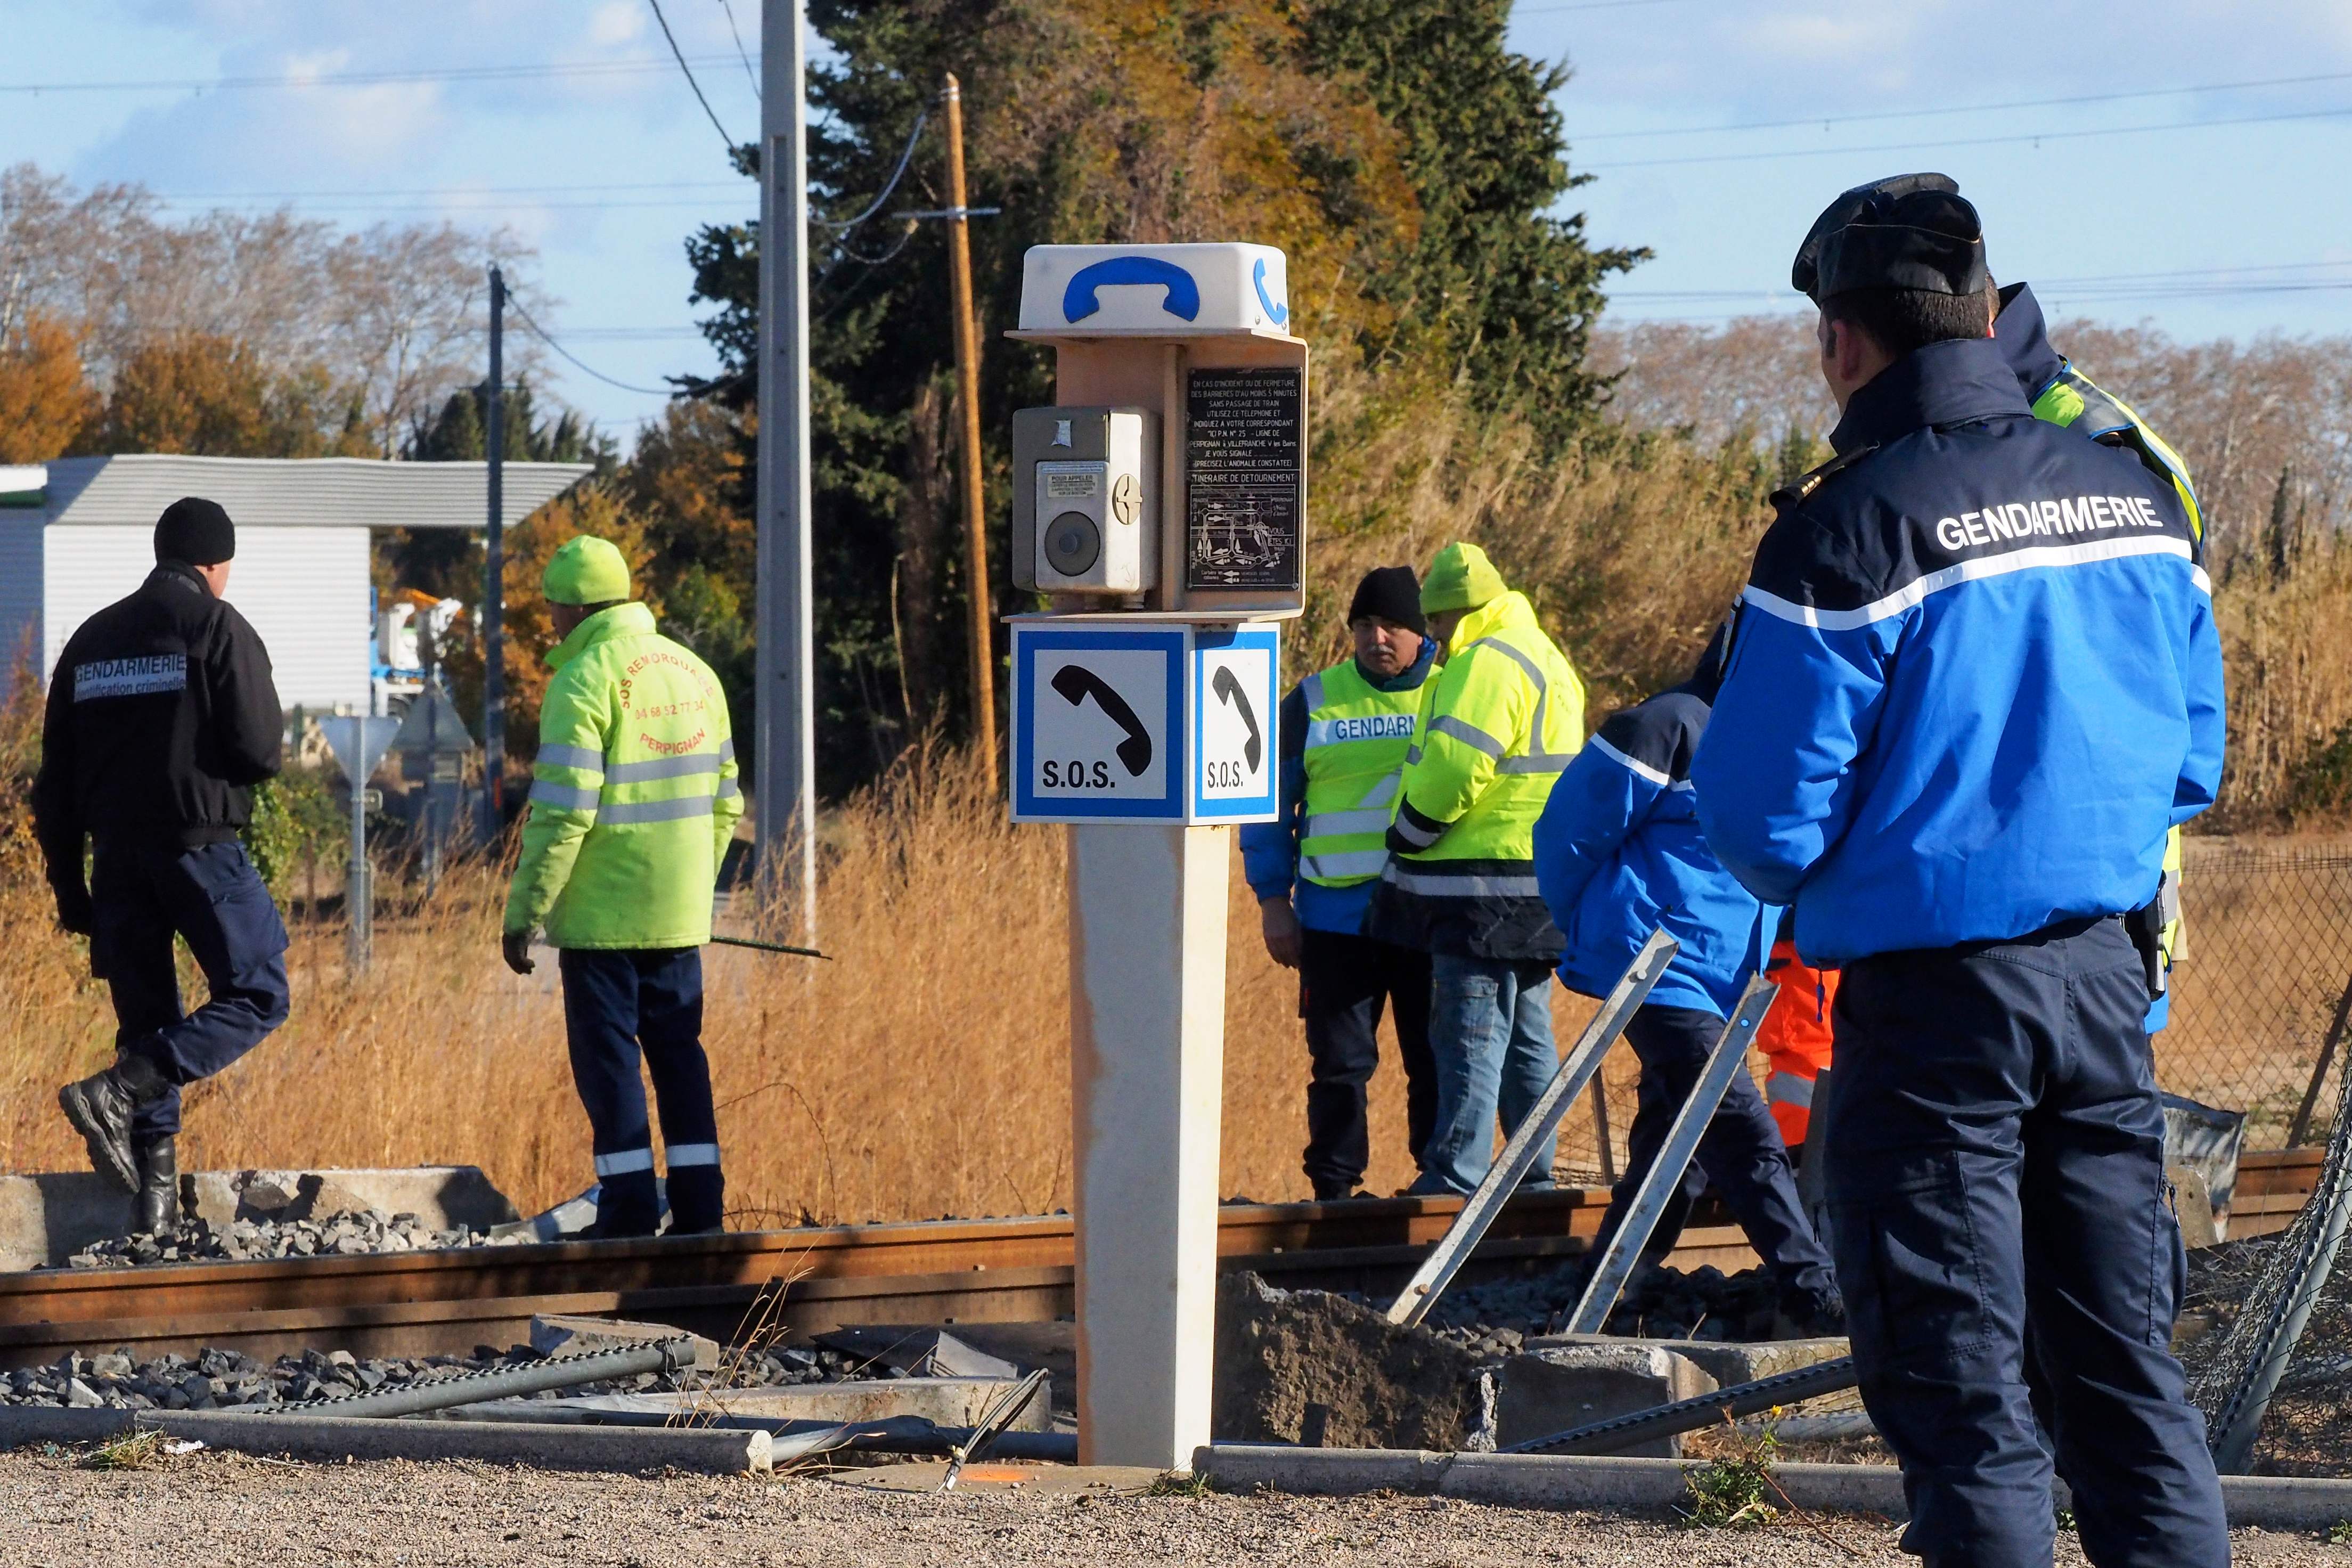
{"x": 1422, "y": 243}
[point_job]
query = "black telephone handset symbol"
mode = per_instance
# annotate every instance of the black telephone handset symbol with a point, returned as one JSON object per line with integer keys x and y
{"x": 1228, "y": 688}
{"x": 1076, "y": 683}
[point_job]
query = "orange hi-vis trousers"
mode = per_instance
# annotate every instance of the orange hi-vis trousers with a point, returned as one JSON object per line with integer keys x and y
{"x": 1795, "y": 1038}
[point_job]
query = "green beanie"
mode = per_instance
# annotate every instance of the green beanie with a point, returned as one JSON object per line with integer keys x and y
{"x": 586, "y": 570}
{"x": 1461, "y": 578}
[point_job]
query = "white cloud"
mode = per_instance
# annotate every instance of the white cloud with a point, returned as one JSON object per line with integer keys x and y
{"x": 616, "y": 22}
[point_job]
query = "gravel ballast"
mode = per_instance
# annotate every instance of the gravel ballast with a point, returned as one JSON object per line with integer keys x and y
{"x": 209, "y": 1507}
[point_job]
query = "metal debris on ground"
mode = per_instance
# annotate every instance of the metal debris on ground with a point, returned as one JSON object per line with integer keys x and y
{"x": 346, "y": 1234}
{"x": 219, "y": 1379}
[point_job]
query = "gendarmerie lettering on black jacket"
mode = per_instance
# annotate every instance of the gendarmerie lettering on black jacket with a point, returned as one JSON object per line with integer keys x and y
{"x": 162, "y": 716}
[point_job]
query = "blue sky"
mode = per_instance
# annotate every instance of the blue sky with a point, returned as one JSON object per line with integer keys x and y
{"x": 2227, "y": 217}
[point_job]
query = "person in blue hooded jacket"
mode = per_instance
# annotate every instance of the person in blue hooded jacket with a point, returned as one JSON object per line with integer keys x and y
{"x": 1974, "y": 682}
{"x": 1618, "y": 854}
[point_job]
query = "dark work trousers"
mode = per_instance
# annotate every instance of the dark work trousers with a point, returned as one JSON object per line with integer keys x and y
{"x": 1995, "y": 1166}
{"x": 619, "y": 1004}
{"x": 1343, "y": 983}
{"x": 1741, "y": 1154}
{"x": 213, "y": 899}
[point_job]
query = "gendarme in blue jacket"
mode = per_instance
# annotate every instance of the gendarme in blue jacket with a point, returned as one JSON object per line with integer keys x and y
{"x": 1974, "y": 676}
{"x": 1619, "y": 853}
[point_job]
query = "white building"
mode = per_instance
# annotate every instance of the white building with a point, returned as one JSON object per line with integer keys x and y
{"x": 79, "y": 534}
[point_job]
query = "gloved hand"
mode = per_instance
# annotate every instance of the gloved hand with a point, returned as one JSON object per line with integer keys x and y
{"x": 75, "y": 913}
{"x": 515, "y": 946}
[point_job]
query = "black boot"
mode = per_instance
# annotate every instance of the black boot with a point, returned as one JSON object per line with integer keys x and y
{"x": 100, "y": 1108}
{"x": 159, "y": 1188}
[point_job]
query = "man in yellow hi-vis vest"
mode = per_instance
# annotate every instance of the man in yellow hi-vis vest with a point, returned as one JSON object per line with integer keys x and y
{"x": 1344, "y": 732}
{"x": 2061, "y": 394}
{"x": 632, "y": 799}
{"x": 1498, "y": 723}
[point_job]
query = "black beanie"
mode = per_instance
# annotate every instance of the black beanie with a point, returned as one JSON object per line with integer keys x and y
{"x": 195, "y": 530}
{"x": 1391, "y": 593}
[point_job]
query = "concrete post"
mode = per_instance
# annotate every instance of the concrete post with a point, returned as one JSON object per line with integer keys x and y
{"x": 1147, "y": 1067}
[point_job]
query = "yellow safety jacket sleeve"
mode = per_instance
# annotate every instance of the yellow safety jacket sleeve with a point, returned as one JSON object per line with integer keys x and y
{"x": 566, "y": 780}
{"x": 726, "y": 810}
{"x": 1482, "y": 704}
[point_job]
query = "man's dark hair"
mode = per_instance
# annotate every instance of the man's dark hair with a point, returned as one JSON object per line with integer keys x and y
{"x": 1901, "y": 321}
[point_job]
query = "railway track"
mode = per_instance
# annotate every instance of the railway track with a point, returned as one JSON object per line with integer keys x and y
{"x": 810, "y": 1279}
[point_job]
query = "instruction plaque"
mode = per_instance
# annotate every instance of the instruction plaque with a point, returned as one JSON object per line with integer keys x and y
{"x": 1244, "y": 477}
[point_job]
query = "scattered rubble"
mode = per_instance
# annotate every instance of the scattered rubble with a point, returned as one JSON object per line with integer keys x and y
{"x": 219, "y": 1379}
{"x": 344, "y": 1235}
{"x": 1659, "y": 1303}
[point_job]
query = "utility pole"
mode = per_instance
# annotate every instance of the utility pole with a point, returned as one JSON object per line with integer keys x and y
{"x": 975, "y": 526}
{"x": 784, "y": 791}
{"x": 494, "y": 570}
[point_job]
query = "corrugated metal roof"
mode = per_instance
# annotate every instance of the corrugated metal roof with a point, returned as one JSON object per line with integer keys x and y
{"x": 286, "y": 492}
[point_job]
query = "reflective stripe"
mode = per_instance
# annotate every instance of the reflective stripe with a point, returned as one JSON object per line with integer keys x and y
{"x": 730, "y": 790}
{"x": 1788, "y": 1088}
{"x": 1385, "y": 792}
{"x": 653, "y": 768}
{"x": 1537, "y": 763}
{"x": 1418, "y": 836}
{"x": 1470, "y": 886}
{"x": 1468, "y": 734}
{"x": 1353, "y": 863}
{"x": 1411, "y": 755}
{"x": 1375, "y": 820}
{"x": 1976, "y": 569}
{"x": 727, "y": 750}
{"x": 1634, "y": 765}
{"x": 692, "y": 1154}
{"x": 655, "y": 810}
{"x": 579, "y": 757}
{"x": 627, "y": 1162}
{"x": 1313, "y": 689}
{"x": 568, "y": 797}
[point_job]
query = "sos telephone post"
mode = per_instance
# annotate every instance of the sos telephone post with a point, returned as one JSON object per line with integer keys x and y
{"x": 1159, "y": 507}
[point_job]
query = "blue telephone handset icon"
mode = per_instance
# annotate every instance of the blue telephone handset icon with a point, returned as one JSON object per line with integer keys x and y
{"x": 1277, "y": 314}
{"x": 1183, "y": 300}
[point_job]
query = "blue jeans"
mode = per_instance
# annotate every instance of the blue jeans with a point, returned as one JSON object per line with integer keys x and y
{"x": 618, "y": 1003}
{"x": 212, "y": 897}
{"x": 1996, "y": 1175}
{"x": 1490, "y": 1032}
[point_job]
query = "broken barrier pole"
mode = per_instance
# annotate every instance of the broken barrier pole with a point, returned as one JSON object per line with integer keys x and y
{"x": 1621, "y": 1432}
{"x": 1624, "y": 1250}
{"x": 533, "y": 1377}
{"x": 1478, "y": 1211}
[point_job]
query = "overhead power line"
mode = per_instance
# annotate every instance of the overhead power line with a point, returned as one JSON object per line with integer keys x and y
{"x": 2069, "y": 102}
{"x": 296, "y": 79}
{"x": 689, "y": 69}
{"x": 541, "y": 333}
{"x": 740, "y": 52}
{"x": 2035, "y": 137}
{"x": 845, "y": 224}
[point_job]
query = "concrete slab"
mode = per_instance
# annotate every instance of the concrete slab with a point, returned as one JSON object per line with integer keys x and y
{"x": 942, "y": 1401}
{"x": 1727, "y": 1362}
{"x": 46, "y": 1218}
{"x": 1049, "y": 1480}
{"x": 1537, "y": 1481}
{"x": 331, "y": 1439}
{"x": 1556, "y": 1387}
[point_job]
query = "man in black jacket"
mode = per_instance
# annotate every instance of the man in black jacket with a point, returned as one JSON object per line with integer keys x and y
{"x": 161, "y": 715}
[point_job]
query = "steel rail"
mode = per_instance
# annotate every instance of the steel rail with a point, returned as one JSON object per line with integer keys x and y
{"x": 432, "y": 1302}
{"x": 1621, "y": 1432}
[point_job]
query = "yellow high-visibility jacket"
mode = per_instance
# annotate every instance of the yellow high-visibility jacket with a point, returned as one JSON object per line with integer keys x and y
{"x": 634, "y": 795}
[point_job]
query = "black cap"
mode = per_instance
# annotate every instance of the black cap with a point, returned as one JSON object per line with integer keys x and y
{"x": 1391, "y": 593}
{"x": 1908, "y": 231}
{"x": 195, "y": 530}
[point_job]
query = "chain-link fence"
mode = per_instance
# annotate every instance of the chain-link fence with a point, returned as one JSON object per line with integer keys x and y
{"x": 2260, "y": 993}
{"x": 2262, "y": 987}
